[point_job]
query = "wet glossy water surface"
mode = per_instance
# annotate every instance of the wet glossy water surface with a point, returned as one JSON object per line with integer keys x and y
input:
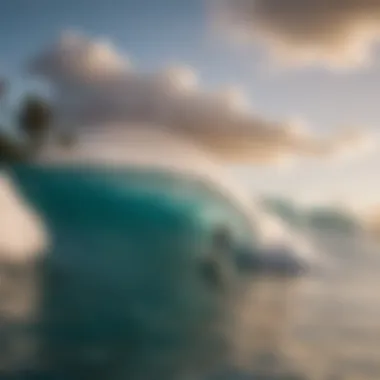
{"x": 325, "y": 326}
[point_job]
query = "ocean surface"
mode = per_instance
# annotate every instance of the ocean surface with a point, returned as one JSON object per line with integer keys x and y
{"x": 331, "y": 330}
{"x": 324, "y": 326}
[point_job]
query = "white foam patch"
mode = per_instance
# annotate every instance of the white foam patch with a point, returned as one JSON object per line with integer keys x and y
{"x": 22, "y": 234}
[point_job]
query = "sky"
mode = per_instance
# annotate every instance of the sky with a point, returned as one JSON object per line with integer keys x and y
{"x": 324, "y": 71}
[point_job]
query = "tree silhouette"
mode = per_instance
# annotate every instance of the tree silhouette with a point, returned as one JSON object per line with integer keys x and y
{"x": 10, "y": 151}
{"x": 35, "y": 120}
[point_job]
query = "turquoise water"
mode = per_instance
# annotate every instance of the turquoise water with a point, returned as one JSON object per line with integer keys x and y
{"x": 131, "y": 286}
{"x": 49, "y": 187}
{"x": 122, "y": 292}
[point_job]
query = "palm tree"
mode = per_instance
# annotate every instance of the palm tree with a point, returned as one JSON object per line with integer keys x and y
{"x": 10, "y": 151}
{"x": 34, "y": 121}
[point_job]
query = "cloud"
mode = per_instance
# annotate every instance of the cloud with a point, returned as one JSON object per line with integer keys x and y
{"x": 74, "y": 60}
{"x": 93, "y": 83}
{"x": 334, "y": 33}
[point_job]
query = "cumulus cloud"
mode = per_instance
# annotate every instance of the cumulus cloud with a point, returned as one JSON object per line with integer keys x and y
{"x": 337, "y": 33}
{"x": 93, "y": 83}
